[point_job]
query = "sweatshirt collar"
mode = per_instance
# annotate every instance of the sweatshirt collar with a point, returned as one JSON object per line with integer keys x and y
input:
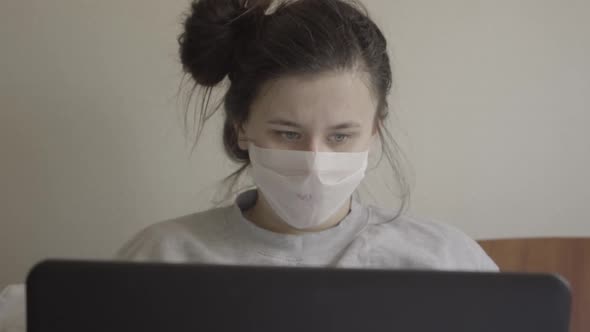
{"x": 300, "y": 245}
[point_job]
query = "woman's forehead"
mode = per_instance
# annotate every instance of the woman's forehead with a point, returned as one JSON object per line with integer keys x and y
{"x": 336, "y": 96}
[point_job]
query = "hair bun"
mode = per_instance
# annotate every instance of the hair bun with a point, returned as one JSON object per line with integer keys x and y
{"x": 208, "y": 41}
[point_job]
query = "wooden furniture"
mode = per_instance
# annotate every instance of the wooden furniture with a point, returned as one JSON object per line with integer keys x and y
{"x": 569, "y": 257}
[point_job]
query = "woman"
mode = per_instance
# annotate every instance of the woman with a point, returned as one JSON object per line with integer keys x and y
{"x": 307, "y": 98}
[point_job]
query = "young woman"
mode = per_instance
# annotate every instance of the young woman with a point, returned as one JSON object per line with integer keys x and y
{"x": 307, "y": 100}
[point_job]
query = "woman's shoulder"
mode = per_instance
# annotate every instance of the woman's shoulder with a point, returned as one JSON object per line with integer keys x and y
{"x": 448, "y": 246}
{"x": 168, "y": 240}
{"x": 407, "y": 223}
{"x": 13, "y": 308}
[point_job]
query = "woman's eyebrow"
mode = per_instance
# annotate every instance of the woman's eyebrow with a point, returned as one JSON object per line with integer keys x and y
{"x": 282, "y": 122}
{"x": 345, "y": 125}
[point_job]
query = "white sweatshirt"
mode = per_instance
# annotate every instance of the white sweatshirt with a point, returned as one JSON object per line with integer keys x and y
{"x": 367, "y": 238}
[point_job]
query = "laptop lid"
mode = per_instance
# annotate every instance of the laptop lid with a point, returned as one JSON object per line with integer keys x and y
{"x": 73, "y": 296}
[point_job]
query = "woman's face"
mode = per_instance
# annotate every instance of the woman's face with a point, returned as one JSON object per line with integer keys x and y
{"x": 328, "y": 112}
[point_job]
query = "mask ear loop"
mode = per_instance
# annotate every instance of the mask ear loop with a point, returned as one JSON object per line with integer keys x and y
{"x": 248, "y": 141}
{"x": 355, "y": 199}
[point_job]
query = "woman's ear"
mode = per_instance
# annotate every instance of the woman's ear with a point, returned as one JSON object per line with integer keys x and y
{"x": 241, "y": 135}
{"x": 375, "y": 130}
{"x": 374, "y": 137}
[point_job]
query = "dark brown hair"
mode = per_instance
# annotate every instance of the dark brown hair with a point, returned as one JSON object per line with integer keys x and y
{"x": 254, "y": 41}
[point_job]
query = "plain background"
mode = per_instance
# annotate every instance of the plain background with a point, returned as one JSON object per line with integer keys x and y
{"x": 491, "y": 104}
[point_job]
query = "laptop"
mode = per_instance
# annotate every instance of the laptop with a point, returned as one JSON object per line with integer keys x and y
{"x": 73, "y": 296}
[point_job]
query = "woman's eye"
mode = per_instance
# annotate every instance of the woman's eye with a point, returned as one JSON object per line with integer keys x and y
{"x": 339, "y": 138}
{"x": 289, "y": 135}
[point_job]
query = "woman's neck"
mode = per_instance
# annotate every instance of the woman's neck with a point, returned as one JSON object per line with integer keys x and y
{"x": 263, "y": 216}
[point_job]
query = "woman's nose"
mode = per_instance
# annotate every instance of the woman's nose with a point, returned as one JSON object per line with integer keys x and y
{"x": 314, "y": 144}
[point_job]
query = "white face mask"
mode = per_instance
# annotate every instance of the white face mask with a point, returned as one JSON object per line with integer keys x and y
{"x": 305, "y": 188}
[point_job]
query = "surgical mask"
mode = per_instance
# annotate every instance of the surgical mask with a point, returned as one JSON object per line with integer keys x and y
{"x": 305, "y": 188}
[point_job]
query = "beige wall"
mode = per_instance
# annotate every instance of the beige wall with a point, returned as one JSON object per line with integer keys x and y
{"x": 492, "y": 102}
